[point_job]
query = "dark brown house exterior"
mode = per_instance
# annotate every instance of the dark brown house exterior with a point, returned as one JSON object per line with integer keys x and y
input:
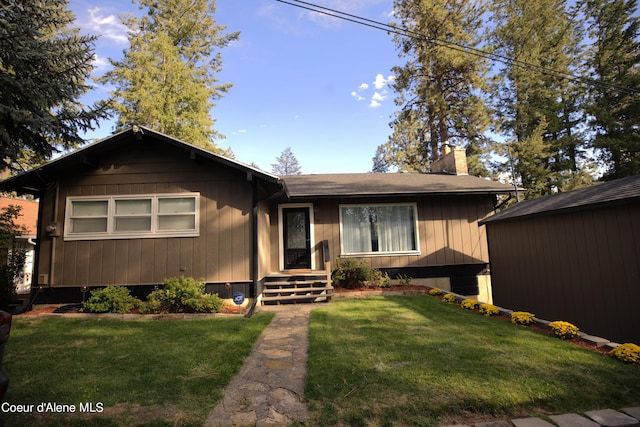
{"x": 574, "y": 256}
{"x": 140, "y": 206}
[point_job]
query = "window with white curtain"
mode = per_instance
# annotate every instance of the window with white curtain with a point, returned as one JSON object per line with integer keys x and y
{"x": 132, "y": 216}
{"x": 378, "y": 229}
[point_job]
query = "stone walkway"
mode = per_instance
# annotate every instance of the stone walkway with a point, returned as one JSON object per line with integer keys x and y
{"x": 602, "y": 418}
{"x": 269, "y": 390}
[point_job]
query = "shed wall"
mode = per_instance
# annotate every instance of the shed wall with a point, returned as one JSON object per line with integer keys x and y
{"x": 581, "y": 267}
{"x": 221, "y": 253}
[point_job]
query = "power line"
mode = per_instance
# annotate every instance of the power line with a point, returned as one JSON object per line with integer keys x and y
{"x": 451, "y": 45}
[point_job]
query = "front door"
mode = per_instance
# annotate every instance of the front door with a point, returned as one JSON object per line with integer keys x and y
{"x": 296, "y": 238}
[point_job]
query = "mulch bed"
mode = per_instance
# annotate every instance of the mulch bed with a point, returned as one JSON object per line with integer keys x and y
{"x": 75, "y": 308}
{"x": 390, "y": 288}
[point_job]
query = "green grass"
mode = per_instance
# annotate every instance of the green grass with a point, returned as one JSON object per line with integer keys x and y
{"x": 418, "y": 361}
{"x": 151, "y": 373}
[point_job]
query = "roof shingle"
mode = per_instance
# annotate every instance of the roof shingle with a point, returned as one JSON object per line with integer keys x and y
{"x": 384, "y": 184}
{"x": 619, "y": 191}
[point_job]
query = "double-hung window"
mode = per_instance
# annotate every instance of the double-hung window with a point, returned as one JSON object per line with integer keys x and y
{"x": 132, "y": 216}
{"x": 381, "y": 229}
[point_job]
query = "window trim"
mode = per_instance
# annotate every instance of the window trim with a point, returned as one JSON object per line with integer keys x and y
{"x": 413, "y": 205}
{"x": 111, "y": 216}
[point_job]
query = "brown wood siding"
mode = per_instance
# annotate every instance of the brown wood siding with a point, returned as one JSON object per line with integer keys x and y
{"x": 581, "y": 267}
{"x": 221, "y": 253}
{"x": 448, "y": 231}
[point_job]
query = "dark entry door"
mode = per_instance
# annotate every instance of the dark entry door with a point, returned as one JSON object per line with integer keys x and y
{"x": 296, "y": 238}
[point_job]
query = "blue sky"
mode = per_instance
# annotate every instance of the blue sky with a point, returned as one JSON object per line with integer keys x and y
{"x": 301, "y": 80}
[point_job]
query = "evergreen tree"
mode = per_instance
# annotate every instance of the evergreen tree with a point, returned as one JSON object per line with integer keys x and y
{"x": 615, "y": 60}
{"x": 535, "y": 104}
{"x": 287, "y": 164}
{"x": 167, "y": 79}
{"x": 439, "y": 87}
{"x": 44, "y": 65}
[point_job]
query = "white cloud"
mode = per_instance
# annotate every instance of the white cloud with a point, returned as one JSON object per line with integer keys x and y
{"x": 100, "y": 64}
{"x": 242, "y": 131}
{"x": 379, "y": 82}
{"x": 107, "y": 26}
{"x": 378, "y": 97}
{"x": 380, "y": 91}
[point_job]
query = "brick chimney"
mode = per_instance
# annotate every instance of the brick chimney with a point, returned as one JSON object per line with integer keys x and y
{"x": 453, "y": 161}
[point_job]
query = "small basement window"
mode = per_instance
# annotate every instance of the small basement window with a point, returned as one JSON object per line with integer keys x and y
{"x": 132, "y": 216}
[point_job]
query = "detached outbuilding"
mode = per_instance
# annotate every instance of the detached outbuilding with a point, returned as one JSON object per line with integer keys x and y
{"x": 573, "y": 256}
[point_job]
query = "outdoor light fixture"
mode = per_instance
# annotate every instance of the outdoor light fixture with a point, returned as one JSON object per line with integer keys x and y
{"x": 52, "y": 229}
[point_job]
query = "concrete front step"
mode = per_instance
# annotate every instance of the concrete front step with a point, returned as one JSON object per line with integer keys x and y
{"x": 601, "y": 418}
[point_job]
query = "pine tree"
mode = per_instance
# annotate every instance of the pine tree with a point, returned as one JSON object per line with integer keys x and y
{"x": 439, "y": 86}
{"x": 167, "y": 79}
{"x": 615, "y": 60}
{"x": 287, "y": 164}
{"x": 44, "y": 65}
{"x": 535, "y": 105}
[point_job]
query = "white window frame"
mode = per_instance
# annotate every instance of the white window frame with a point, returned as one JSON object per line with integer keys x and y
{"x": 111, "y": 233}
{"x": 416, "y": 233}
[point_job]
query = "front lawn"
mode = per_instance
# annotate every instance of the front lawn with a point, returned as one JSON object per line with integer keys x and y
{"x": 418, "y": 361}
{"x": 151, "y": 373}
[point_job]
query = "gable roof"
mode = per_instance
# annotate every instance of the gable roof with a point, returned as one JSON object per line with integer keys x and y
{"x": 620, "y": 191}
{"x": 37, "y": 179}
{"x": 389, "y": 184}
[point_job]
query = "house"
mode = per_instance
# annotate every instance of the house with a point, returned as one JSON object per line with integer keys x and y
{"x": 572, "y": 256}
{"x": 140, "y": 206}
{"x": 28, "y": 219}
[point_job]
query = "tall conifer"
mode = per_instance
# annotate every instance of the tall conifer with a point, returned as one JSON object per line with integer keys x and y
{"x": 614, "y": 103}
{"x": 439, "y": 87}
{"x": 44, "y": 67}
{"x": 536, "y": 105}
{"x": 167, "y": 78}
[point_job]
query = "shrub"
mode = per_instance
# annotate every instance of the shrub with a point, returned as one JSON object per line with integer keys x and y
{"x": 489, "y": 309}
{"x": 182, "y": 295}
{"x": 435, "y": 291}
{"x": 522, "y": 318}
{"x": 380, "y": 279}
{"x": 351, "y": 273}
{"x": 564, "y": 330}
{"x": 403, "y": 279}
{"x": 469, "y": 304}
{"x": 449, "y": 298}
{"x": 628, "y": 352}
{"x": 112, "y": 299}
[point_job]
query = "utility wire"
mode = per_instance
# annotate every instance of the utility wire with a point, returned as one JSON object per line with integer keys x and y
{"x": 451, "y": 45}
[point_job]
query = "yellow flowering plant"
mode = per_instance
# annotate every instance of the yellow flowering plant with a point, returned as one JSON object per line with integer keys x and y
{"x": 469, "y": 304}
{"x": 564, "y": 330}
{"x": 436, "y": 292}
{"x": 522, "y": 318}
{"x": 449, "y": 298}
{"x": 628, "y": 352}
{"x": 489, "y": 309}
